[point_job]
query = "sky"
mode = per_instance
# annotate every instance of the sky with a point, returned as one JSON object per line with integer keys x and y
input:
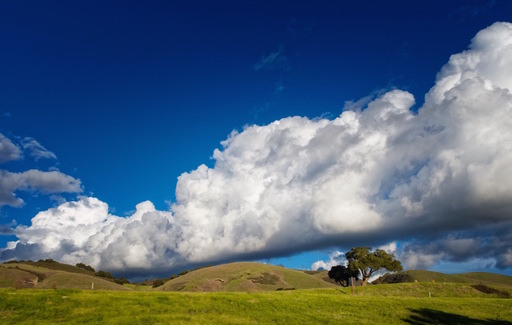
{"x": 149, "y": 137}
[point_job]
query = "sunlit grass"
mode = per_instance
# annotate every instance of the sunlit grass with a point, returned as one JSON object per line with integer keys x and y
{"x": 295, "y": 307}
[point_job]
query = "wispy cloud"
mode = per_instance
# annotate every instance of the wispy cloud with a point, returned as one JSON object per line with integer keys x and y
{"x": 273, "y": 61}
{"x": 36, "y": 150}
{"x": 368, "y": 177}
{"x": 473, "y": 8}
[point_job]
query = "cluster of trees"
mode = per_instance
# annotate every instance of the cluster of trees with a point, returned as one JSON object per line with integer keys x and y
{"x": 85, "y": 267}
{"x": 363, "y": 262}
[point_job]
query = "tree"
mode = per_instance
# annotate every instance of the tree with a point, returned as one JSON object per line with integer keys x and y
{"x": 85, "y": 267}
{"x": 360, "y": 259}
{"x": 122, "y": 281}
{"x": 158, "y": 282}
{"x": 342, "y": 275}
{"x": 104, "y": 274}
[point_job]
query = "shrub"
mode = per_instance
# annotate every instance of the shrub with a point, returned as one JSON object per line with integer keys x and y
{"x": 85, "y": 267}
{"x": 104, "y": 274}
{"x": 158, "y": 283}
{"x": 121, "y": 281}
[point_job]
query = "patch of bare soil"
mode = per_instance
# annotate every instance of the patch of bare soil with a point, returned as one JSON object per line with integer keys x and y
{"x": 266, "y": 279}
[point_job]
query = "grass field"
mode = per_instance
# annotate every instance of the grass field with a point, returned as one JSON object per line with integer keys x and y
{"x": 249, "y": 293}
{"x": 314, "y": 306}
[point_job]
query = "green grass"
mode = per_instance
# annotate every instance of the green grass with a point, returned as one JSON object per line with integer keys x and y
{"x": 473, "y": 277}
{"x": 317, "y": 306}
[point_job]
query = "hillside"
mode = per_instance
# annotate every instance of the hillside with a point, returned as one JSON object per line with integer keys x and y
{"x": 51, "y": 275}
{"x": 430, "y": 276}
{"x": 246, "y": 276}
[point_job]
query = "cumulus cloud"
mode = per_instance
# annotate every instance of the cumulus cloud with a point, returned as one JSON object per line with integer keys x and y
{"x": 36, "y": 150}
{"x": 34, "y": 180}
{"x": 375, "y": 174}
{"x": 335, "y": 258}
{"x": 8, "y": 150}
{"x": 84, "y": 230}
{"x": 491, "y": 243}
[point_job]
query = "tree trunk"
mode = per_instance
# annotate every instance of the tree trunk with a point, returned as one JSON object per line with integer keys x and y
{"x": 365, "y": 281}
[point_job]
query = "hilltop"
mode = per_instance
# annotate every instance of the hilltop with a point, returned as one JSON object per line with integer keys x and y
{"x": 244, "y": 276}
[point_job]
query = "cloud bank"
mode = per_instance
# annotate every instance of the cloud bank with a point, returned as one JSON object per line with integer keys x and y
{"x": 375, "y": 174}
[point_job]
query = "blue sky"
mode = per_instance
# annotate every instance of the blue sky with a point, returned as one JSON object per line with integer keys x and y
{"x": 126, "y": 96}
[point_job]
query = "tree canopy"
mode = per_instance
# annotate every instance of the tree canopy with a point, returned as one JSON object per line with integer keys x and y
{"x": 362, "y": 260}
{"x": 342, "y": 275}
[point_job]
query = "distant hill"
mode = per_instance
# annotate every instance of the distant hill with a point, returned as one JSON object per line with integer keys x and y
{"x": 429, "y": 276}
{"x": 52, "y": 275}
{"x": 322, "y": 275}
{"x": 245, "y": 276}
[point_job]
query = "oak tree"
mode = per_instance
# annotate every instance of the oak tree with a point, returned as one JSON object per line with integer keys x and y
{"x": 362, "y": 260}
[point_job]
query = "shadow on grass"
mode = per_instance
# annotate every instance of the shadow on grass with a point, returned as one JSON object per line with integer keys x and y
{"x": 425, "y": 316}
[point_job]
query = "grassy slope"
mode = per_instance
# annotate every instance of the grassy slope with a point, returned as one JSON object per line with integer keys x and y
{"x": 56, "y": 266}
{"x": 475, "y": 277}
{"x": 15, "y": 278}
{"x": 57, "y": 277}
{"x": 67, "y": 280}
{"x": 250, "y": 277}
{"x": 314, "y": 306}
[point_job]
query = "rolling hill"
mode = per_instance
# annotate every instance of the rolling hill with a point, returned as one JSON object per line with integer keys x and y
{"x": 52, "y": 275}
{"x": 231, "y": 277}
{"x": 430, "y": 276}
{"x": 244, "y": 276}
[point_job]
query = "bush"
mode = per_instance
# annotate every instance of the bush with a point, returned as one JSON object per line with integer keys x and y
{"x": 85, "y": 267}
{"x": 104, "y": 274}
{"x": 48, "y": 260}
{"x": 121, "y": 281}
{"x": 158, "y": 283}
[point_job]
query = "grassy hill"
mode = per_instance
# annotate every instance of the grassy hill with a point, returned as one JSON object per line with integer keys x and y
{"x": 16, "y": 278}
{"x": 246, "y": 276}
{"x": 429, "y": 276}
{"x": 251, "y": 277}
{"x": 51, "y": 275}
{"x": 68, "y": 280}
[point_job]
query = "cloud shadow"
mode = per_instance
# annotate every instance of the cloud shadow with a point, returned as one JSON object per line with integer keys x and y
{"x": 425, "y": 316}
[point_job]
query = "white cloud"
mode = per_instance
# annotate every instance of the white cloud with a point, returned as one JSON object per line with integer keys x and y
{"x": 36, "y": 150}
{"x": 34, "y": 180}
{"x": 335, "y": 258}
{"x": 8, "y": 150}
{"x": 371, "y": 176}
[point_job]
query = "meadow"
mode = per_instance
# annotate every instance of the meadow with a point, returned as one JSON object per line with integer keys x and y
{"x": 382, "y": 304}
{"x": 248, "y": 293}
